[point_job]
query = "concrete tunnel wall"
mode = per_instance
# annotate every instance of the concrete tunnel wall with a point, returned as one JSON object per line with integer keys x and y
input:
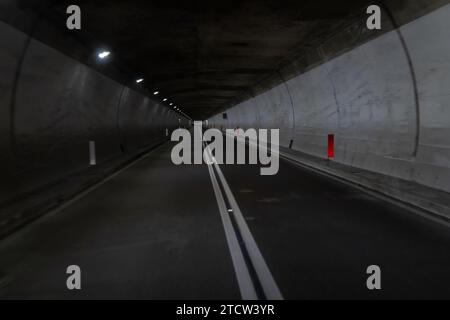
{"x": 390, "y": 114}
{"x": 53, "y": 105}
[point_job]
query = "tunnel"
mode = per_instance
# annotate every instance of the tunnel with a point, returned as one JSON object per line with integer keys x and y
{"x": 225, "y": 150}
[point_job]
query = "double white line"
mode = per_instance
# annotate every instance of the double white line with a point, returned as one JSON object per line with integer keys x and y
{"x": 262, "y": 277}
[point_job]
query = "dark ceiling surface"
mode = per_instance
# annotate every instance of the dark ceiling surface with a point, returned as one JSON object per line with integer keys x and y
{"x": 202, "y": 54}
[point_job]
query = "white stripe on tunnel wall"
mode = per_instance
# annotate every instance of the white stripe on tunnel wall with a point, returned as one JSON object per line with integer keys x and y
{"x": 92, "y": 155}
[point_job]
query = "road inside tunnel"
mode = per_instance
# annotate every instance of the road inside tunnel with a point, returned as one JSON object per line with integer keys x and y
{"x": 345, "y": 196}
{"x": 154, "y": 231}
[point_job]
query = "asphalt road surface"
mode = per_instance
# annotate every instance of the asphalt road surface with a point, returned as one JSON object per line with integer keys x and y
{"x": 160, "y": 231}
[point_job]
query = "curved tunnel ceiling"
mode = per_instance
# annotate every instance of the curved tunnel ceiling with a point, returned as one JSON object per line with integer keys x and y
{"x": 203, "y": 54}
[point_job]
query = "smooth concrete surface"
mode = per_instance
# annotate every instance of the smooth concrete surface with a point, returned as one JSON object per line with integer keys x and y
{"x": 60, "y": 106}
{"x": 431, "y": 60}
{"x": 385, "y": 102}
{"x": 12, "y": 43}
{"x": 52, "y": 106}
{"x": 154, "y": 231}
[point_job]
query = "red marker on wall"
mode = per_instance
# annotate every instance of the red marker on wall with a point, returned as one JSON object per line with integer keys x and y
{"x": 330, "y": 146}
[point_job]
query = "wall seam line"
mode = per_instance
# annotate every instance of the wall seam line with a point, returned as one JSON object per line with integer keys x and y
{"x": 119, "y": 130}
{"x": 13, "y": 104}
{"x": 413, "y": 76}
{"x": 291, "y": 99}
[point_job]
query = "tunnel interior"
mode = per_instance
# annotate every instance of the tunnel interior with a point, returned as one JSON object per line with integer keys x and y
{"x": 352, "y": 107}
{"x": 202, "y": 55}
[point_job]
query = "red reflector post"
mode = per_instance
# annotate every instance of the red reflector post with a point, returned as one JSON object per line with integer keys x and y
{"x": 330, "y": 146}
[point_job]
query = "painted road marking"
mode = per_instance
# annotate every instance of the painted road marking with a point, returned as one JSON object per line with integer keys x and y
{"x": 244, "y": 279}
{"x": 269, "y": 286}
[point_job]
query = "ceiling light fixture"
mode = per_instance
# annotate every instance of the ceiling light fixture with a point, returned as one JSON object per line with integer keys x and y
{"x": 155, "y": 93}
{"x": 104, "y": 54}
{"x": 139, "y": 80}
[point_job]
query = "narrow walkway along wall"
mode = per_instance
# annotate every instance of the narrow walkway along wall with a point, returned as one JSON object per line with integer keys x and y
{"x": 386, "y": 101}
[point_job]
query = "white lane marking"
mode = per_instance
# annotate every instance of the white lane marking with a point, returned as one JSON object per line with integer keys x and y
{"x": 244, "y": 280}
{"x": 270, "y": 288}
